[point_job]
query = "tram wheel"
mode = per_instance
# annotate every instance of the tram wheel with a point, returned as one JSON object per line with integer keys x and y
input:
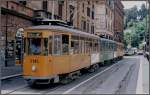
{"x": 31, "y": 82}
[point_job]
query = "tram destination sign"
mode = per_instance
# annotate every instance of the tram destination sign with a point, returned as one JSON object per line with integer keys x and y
{"x": 34, "y": 34}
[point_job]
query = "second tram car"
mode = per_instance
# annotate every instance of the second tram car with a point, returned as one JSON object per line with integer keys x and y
{"x": 56, "y": 53}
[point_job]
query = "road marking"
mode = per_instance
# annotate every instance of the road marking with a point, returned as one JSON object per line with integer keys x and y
{"x": 66, "y": 92}
{"x": 10, "y": 76}
{"x": 139, "y": 88}
{"x": 21, "y": 87}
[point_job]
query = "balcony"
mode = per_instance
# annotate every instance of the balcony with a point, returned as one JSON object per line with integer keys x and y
{"x": 45, "y": 14}
{"x": 17, "y": 8}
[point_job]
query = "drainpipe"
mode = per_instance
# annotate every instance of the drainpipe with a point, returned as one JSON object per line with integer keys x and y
{"x": 53, "y": 7}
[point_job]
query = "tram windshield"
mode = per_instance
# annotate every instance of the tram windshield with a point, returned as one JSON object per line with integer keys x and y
{"x": 34, "y": 47}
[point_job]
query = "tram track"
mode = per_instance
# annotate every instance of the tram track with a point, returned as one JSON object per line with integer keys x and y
{"x": 19, "y": 88}
{"x": 76, "y": 84}
{"x": 54, "y": 87}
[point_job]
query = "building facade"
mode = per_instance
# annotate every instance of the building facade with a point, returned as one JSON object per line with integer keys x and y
{"x": 14, "y": 15}
{"x": 104, "y": 18}
{"x": 79, "y": 14}
{"x": 118, "y": 21}
{"x": 91, "y": 16}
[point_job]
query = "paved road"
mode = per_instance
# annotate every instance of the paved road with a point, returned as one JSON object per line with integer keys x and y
{"x": 119, "y": 78}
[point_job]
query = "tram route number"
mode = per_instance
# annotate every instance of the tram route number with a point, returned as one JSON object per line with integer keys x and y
{"x": 34, "y": 61}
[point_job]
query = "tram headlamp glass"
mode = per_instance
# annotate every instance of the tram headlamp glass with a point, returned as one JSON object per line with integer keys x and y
{"x": 33, "y": 68}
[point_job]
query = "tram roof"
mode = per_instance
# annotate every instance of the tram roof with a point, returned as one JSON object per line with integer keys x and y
{"x": 64, "y": 29}
{"x": 103, "y": 39}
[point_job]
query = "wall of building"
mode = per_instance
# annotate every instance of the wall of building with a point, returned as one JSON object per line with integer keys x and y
{"x": 91, "y": 16}
{"x": 13, "y": 16}
{"x": 119, "y": 18}
{"x": 104, "y": 18}
{"x": 72, "y": 10}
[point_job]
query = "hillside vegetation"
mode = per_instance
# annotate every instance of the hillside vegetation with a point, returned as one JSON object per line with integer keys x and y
{"x": 135, "y": 26}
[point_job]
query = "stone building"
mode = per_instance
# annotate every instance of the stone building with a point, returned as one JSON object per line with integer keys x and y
{"x": 91, "y": 16}
{"x": 21, "y": 14}
{"x": 104, "y": 18}
{"x": 14, "y": 15}
{"x": 109, "y": 17}
{"x": 118, "y": 21}
{"x": 79, "y": 14}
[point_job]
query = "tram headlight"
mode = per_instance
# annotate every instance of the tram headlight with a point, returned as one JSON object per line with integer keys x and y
{"x": 33, "y": 68}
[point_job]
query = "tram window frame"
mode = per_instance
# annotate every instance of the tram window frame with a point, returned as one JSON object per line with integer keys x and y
{"x": 105, "y": 46}
{"x": 24, "y": 45}
{"x": 66, "y": 47}
{"x": 101, "y": 45}
{"x": 45, "y": 47}
{"x": 86, "y": 46}
{"x": 81, "y": 45}
{"x": 30, "y": 52}
{"x": 91, "y": 45}
{"x": 96, "y": 46}
{"x": 100, "y": 49}
{"x": 58, "y": 44}
{"x": 50, "y": 43}
{"x": 109, "y": 46}
{"x": 75, "y": 45}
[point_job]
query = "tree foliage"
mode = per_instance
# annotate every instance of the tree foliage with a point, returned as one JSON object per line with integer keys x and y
{"x": 135, "y": 26}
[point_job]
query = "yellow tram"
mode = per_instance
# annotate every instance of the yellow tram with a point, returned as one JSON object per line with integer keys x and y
{"x": 53, "y": 53}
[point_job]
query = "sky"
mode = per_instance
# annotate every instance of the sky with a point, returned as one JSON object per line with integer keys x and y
{"x": 129, "y": 4}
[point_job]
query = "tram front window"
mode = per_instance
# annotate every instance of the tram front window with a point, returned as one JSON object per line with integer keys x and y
{"x": 34, "y": 47}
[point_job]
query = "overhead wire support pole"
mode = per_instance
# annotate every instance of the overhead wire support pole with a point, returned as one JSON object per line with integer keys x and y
{"x": 149, "y": 29}
{"x": 114, "y": 25}
{"x": 6, "y": 44}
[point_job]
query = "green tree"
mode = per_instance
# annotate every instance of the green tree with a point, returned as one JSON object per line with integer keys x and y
{"x": 142, "y": 13}
{"x": 135, "y": 26}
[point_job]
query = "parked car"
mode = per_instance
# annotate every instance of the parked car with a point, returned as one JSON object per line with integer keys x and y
{"x": 129, "y": 52}
{"x": 140, "y": 52}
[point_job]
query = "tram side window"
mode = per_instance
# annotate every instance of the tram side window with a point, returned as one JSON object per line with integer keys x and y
{"x": 34, "y": 47}
{"x": 100, "y": 45}
{"x": 96, "y": 47}
{"x": 87, "y": 47}
{"x": 65, "y": 44}
{"x": 82, "y": 44}
{"x": 57, "y": 44}
{"x": 45, "y": 46}
{"x": 50, "y": 45}
{"x": 104, "y": 46}
{"x": 91, "y": 47}
{"x": 24, "y": 46}
{"x": 111, "y": 48}
{"x": 75, "y": 45}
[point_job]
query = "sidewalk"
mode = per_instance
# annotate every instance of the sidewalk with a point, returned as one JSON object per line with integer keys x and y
{"x": 143, "y": 83}
{"x": 11, "y": 71}
{"x": 145, "y": 76}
